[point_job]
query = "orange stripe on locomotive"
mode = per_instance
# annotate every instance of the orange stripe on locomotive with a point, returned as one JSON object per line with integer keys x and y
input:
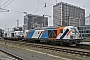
{"x": 43, "y": 31}
{"x": 69, "y": 32}
{"x": 59, "y": 30}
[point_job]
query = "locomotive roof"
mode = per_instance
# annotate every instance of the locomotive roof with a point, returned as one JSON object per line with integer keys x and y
{"x": 51, "y": 27}
{"x": 10, "y": 31}
{"x": 40, "y": 28}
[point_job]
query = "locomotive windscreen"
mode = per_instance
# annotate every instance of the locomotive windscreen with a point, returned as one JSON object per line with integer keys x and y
{"x": 74, "y": 30}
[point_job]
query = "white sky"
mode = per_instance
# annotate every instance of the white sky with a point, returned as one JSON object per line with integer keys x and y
{"x": 9, "y": 19}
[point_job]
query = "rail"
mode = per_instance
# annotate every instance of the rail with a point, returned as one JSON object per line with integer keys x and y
{"x": 14, "y": 56}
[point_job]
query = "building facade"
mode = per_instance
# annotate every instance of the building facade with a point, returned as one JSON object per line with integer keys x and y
{"x": 87, "y": 20}
{"x": 33, "y": 21}
{"x": 84, "y": 31}
{"x": 67, "y": 14}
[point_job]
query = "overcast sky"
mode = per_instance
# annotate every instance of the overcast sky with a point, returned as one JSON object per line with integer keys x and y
{"x": 9, "y": 19}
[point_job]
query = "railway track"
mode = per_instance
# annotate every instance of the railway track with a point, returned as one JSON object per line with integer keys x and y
{"x": 11, "y": 55}
{"x": 54, "y": 48}
{"x": 59, "y": 49}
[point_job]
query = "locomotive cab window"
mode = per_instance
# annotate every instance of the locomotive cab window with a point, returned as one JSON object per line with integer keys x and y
{"x": 61, "y": 31}
{"x": 74, "y": 30}
{"x": 38, "y": 32}
{"x": 20, "y": 33}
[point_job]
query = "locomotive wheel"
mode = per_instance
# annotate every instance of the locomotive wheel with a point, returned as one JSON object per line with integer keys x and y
{"x": 62, "y": 43}
{"x": 53, "y": 42}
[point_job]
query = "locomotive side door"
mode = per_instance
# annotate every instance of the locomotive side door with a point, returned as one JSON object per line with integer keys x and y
{"x": 12, "y": 34}
{"x": 52, "y": 34}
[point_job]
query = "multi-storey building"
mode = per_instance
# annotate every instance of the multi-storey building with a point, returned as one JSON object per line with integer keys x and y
{"x": 33, "y": 21}
{"x": 84, "y": 31}
{"x": 67, "y": 14}
{"x": 87, "y": 20}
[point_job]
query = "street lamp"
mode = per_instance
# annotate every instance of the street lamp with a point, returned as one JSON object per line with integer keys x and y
{"x": 81, "y": 15}
{"x": 25, "y": 25}
{"x": 43, "y": 19}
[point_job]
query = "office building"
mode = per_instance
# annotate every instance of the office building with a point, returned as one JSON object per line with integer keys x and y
{"x": 84, "y": 31}
{"x": 87, "y": 20}
{"x": 34, "y": 21}
{"x": 67, "y": 14}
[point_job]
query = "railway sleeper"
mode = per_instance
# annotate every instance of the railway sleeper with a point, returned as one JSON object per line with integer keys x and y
{"x": 45, "y": 47}
{"x": 77, "y": 52}
{"x": 71, "y": 51}
{"x": 85, "y": 54}
{"x": 39, "y": 46}
{"x": 58, "y": 49}
{"x": 64, "y": 50}
{"x": 51, "y": 48}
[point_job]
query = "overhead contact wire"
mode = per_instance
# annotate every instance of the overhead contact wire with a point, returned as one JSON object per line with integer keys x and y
{"x": 37, "y": 7}
{"x": 8, "y": 3}
{"x": 5, "y": 3}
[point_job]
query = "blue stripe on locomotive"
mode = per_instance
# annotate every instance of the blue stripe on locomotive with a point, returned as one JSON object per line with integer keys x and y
{"x": 45, "y": 35}
{"x": 30, "y": 34}
{"x": 64, "y": 34}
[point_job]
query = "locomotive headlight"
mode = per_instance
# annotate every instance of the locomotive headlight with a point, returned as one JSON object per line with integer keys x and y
{"x": 74, "y": 37}
{"x": 71, "y": 36}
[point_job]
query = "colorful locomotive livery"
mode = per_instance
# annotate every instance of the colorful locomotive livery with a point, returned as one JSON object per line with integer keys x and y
{"x": 62, "y": 35}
